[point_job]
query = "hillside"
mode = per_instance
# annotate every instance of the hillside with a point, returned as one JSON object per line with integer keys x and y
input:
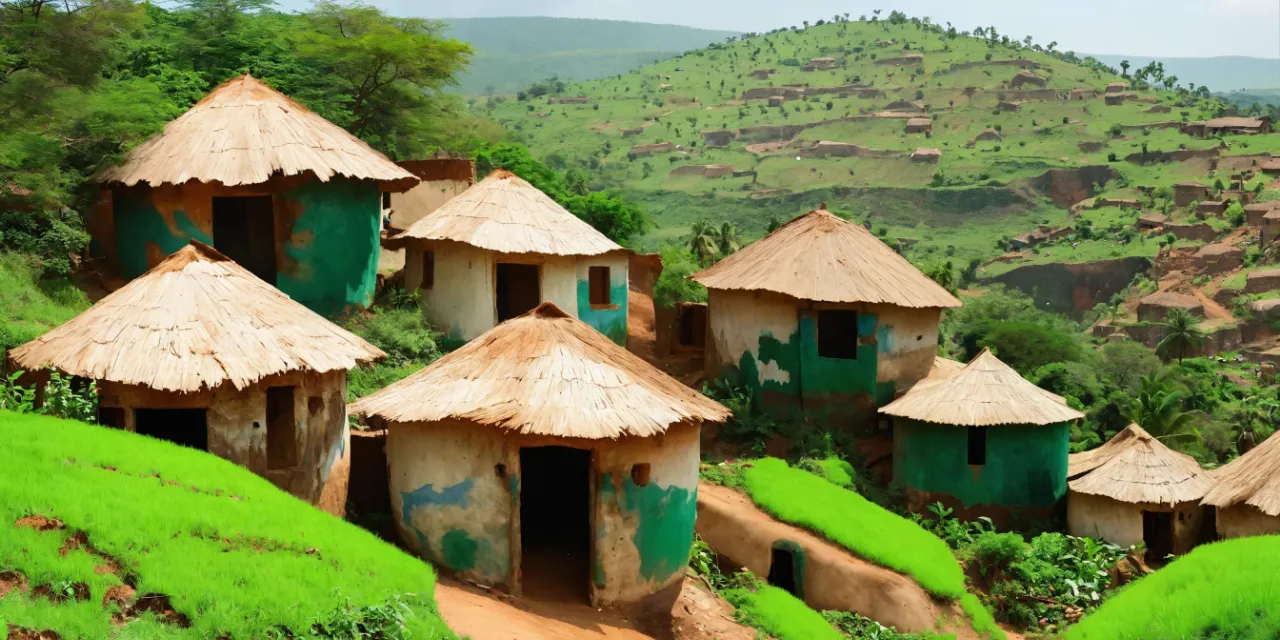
{"x": 511, "y": 53}
{"x": 1000, "y": 142}
{"x": 108, "y": 534}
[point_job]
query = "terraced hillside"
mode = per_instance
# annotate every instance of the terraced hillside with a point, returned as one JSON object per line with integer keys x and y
{"x": 768, "y": 126}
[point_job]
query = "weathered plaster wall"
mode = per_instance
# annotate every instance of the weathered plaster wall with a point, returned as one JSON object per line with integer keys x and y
{"x": 237, "y": 429}
{"x": 610, "y": 319}
{"x": 1243, "y": 520}
{"x": 769, "y": 344}
{"x": 326, "y": 233}
{"x": 410, "y": 206}
{"x": 1026, "y": 466}
{"x": 1120, "y": 523}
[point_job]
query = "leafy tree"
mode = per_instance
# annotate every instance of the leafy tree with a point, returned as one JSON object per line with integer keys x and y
{"x": 944, "y": 274}
{"x": 1027, "y": 346}
{"x": 1160, "y": 411}
{"x": 727, "y": 240}
{"x": 703, "y": 240}
{"x": 1182, "y": 332}
{"x": 674, "y": 285}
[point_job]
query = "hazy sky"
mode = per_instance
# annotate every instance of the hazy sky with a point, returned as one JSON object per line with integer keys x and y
{"x": 1166, "y": 28}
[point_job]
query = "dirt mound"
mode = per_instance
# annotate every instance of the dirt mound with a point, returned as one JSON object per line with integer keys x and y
{"x": 1066, "y": 187}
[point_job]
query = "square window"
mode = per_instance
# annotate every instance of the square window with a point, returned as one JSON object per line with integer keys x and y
{"x": 599, "y": 285}
{"x": 838, "y": 334}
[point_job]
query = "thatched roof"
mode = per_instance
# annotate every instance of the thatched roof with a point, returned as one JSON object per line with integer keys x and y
{"x": 505, "y": 213}
{"x": 1137, "y": 468}
{"x": 1235, "y": 122}
{"x": 944, "y": 368}
{"x": 987, "y": 392}
{"x": 196, "y": 321}
{"x": 545, "y": 373}
{"x": 823, "y": 258}
{"x": 245, "y": 132}
{"x": 1170, "y": 300}
{"x": 919, "y": 122}
{"x": 1252, "y": 479}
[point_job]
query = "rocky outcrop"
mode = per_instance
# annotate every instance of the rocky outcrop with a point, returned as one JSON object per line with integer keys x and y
{"x": 1073, "y": 288}
{"x": 1261, "y": 281}
{"x": 1066, "y": 187}
{"x": 1181, "y": 155}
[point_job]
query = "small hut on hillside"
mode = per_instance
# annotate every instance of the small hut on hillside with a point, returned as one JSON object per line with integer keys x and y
{"x": 1134, "y": 489}
{"x": 545, "y": 459}
{"x": 919, "y": 125}
{"x": 1155, "y": 307}
{"x": 503, "y": 247}
{"x": 926, "y": 154}
{"x": 1152, "y": 221}
{"x": 983, "y": 441}
{"x": 200, "y": 352}
{"x": 290, "y": 196}
{"x": 1027, "y": 78}
{"x": 1247, "y": 497}
{"x": 1184, "y": 193}
{"x": 821, "y": 318}
{"x": 1117, "y": 87}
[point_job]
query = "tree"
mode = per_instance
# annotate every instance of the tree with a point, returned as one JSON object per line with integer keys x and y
{"x": 702, "y": 242}
{"x": 1124, "y": 68}
{"x": 727, "y": 240}
{"x": 1027, "y": 346}
{"x": 944, "y": 274}
{"x": 1160, "y": 411}
{"x": 1182, "y": 332}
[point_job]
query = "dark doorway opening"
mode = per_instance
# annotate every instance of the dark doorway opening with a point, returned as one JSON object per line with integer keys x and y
{"x": 782, "y": 570}
{"x": 187, "y": 427}
{"x": 244, "y": 230}
{"x": 282, "y": 429}
{"x": 518, "y": 290}
{"x": 693, "y": 325}
{"x": 555, "y": 523}
{"x": 1157, "y": 533}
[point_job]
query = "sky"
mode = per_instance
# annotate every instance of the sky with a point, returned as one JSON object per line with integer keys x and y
{"x": 1164, "y": 28}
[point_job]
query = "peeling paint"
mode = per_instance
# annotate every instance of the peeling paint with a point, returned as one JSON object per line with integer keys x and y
{"x": 139, "y": 223}
{"x": 612, "y": 321}
{"x": 459, "y": 550}
{"x": 335, "y": 243}
{"x": 665, "y": 529}
{"x": 455, "y": 495}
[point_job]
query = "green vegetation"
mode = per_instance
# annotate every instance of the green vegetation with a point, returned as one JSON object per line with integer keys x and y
{"x": 1222, "y": 590}
{"x": 31, "y": 305}
{"x": 397, "y": 326}
{"x": 216, "y": 550}
{"x": 780, "y": 614}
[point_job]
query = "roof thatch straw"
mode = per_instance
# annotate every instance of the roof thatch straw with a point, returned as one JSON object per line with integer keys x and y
{"x": 245, "y": 132}
{"x": 1137, "y": 468}
{"x": 944, "y": 368}
{"x": 196, "y": 321}
{"x": 823, "y": 258}
{"x": 1170, "y": 300}
{"x": 504, "y": 213}
{"x": 1252, "y": 479}
{"x": 545, "y": 373}
{"x": 987, "y": 392}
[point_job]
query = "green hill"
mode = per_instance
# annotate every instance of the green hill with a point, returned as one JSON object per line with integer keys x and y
{"x": 512, "y": 53}
{"x": 104, "y": 534}
{"x": 980, "y": 190}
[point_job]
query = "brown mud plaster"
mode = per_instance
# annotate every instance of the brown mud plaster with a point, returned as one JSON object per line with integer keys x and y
{"x": 287, "y": 213}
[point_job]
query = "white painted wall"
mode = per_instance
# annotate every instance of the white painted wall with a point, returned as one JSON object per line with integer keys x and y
{"x": 735, "y": 322}
{"x": 412, "y": 205}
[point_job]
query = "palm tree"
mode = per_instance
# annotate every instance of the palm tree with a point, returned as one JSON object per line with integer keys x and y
{"x": 1182, "y": 332}
{"x": 703, "y": 242}
{"x": 1160, "y": 411}
{"x": 727, "y": 240}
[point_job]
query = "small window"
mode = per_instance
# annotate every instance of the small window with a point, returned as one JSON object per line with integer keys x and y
{"x": 599, "y": 280}
{"x": 640, "y": 474}
{"x": 977, "y": 445}
{"x": 838, "y": 334}
{"x": 428, "y": 270}
{"x": 500, "y": 470}
{"x": 282, "y": 429}
{"x": 386, "y": 200}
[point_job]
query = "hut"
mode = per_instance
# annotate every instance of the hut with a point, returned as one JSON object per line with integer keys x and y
{"x": 1082, "y": 94}
{"x": 919, "y": 125}
{"x": 983, "y": 441}
{"x": 1247, "y": 497}
{"x": 1155, "y": 307}
{"x": 1027, "y": 78}
{"x": 905, "y": 106}
{"x": 926, "y": 154}
{"x": 1212, "y": 207}
{"x": 823, "y": 63}
{"x": 544, "y": 459}
{"x": 1117, "y": 87}
{"x": 646, "y": 150}
{"x": 1184, "y": 193}
{"x": 1151, "y": 221}
{"x": 1009, "y": 106}
{"x": 503, "y": 247}
{"x": 1134, "y": 489}
{"x": 293, "y": 198}
{"x": 1253, "y": 213}
{"x": 442, "y": 179}
{"x": 989, "y": 134}
{"x": 200, "y": 352}
{"x": 1238, "y": 125}
{"x": 821, "y": 318}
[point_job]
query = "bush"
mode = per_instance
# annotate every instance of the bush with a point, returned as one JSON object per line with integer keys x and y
{"x": 995, "y": 552}
{"x": 402, "y": 333}
{"x": 1027, "y": 346}
{"x": 674, "y": 286}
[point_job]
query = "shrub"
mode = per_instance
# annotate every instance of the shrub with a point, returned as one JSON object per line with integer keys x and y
{"x": 995, "y": 552}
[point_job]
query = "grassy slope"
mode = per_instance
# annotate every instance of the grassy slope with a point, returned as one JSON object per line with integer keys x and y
{"x": 30, "y": 306}
{"x": 236, "y": 555}
{"x": 889, "y": 192}
{"x": 1223, "y": 590}
{"x": 781, "y": 615}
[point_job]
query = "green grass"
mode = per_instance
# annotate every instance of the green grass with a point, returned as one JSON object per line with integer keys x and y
{"x": 780, "y": 614}
{"x": 848, "y": 519}
{"x": 30, "y": 305}
{"x": 1224, "y": 590}
{"x": 234, "y": 554}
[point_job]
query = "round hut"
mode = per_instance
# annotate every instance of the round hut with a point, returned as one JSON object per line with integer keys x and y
{"x": 983, "y": 440}
{"x": 1134, "y": 489}
{"x": 545, "y": 459}
{"x": 1247, "y": 497}
{"x": 200, "y": 352}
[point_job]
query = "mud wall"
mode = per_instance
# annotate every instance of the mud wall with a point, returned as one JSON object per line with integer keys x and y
{"x": 1120, "y": 523}
{"x": 768, "y": 343}
{"x": 1073, "y": 288}
{"x": 237, "y": 429}
{"x": 455, "y": 496}
{"x": 410, "y": 206}
{"x": 609, "y": 319}
{"x": 1242, "y": 520}
{"x": 1026, "y": 466}
{"x": 326, "y": 233}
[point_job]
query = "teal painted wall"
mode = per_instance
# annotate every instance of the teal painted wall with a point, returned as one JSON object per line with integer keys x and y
{"x": 138, "y": 222}
{"x": 462, "y": 543}
{"x": 334, "y": 245}
{"x": 611, "y": 322}
{"x": 664, "y": 531}
{"x": 1026, "y": 465}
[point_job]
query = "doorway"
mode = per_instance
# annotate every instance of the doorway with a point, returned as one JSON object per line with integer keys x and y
{"x": 782, "y": 568}
{"x": 518, "y": 290}
{"x": 1157, "y": 533}
{"x": 555, "y": 523}
{"x": 693, "y": 325}
{"x": 244, "y": 230}
{"x": 186, "y": 427}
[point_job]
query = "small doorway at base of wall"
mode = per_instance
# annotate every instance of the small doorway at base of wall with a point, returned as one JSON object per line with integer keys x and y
{"x": 244, "y": 230}
{"x": 555, "y": 523}
{"x": 186, "y": 427}
{"x": 786, "y": 567}
{"x": 517, "y": 289}
{"x": 1157, "y": 533}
